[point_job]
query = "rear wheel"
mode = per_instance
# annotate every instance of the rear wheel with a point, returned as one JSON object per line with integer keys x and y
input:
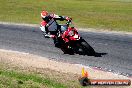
{"x": 58, "y": 42}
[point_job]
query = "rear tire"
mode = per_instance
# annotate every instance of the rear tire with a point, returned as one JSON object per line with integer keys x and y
{"x": 58, "y": 42}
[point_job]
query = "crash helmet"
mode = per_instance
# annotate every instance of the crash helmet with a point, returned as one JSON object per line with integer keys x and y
{"x": 44, "y": 14}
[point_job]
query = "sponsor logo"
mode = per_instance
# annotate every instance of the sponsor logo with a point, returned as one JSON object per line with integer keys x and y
{"x": 86, "y": 81}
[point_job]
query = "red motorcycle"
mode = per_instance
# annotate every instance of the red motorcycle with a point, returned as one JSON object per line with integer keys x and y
{"x": 70, "y": 42}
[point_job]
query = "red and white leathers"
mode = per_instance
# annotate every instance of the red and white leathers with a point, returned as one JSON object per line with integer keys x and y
{"x": 49, "y": 23}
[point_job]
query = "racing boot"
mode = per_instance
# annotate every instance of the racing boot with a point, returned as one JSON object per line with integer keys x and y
{"x": 47, "y": 35}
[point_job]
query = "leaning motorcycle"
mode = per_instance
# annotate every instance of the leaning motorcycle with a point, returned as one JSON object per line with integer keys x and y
{"x": 70, "y": 42}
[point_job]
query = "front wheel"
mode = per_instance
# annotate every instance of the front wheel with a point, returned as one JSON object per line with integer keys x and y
{"x": 87, "y": 48}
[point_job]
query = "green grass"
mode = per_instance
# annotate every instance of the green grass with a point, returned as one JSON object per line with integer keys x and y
{"x": 108, "y": 14}
{"x": 13, "y": 79}
{"x": 12, "y": 76}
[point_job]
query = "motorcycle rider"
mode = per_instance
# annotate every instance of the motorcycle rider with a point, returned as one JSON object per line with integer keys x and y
{"x": 49, "y": 24}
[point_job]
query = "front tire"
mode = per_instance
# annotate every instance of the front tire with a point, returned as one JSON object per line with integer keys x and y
{"x": 87, "y": 48}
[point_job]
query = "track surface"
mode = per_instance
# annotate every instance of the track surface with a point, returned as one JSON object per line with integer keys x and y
{"x": 30, "y": 40}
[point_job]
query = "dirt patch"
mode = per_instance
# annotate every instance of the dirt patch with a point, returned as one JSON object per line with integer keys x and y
{"x": 38, "y": 63}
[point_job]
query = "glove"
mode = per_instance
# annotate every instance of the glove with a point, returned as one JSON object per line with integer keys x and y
{"x": 68, "y": 18}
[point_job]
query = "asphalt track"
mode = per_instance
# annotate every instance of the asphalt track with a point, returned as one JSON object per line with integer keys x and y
{"x": 118, "y": 47}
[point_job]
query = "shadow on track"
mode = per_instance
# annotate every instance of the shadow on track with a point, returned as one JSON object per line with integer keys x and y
{"x": 100, "y": 54}
{"x": 95, "y": 55}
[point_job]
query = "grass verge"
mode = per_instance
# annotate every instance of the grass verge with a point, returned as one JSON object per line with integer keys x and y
{"x": 14, "y": 77}
{"x": 108, "y": 14}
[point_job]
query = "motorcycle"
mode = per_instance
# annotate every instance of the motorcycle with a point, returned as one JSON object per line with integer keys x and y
{"x": 70, "y": 42}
